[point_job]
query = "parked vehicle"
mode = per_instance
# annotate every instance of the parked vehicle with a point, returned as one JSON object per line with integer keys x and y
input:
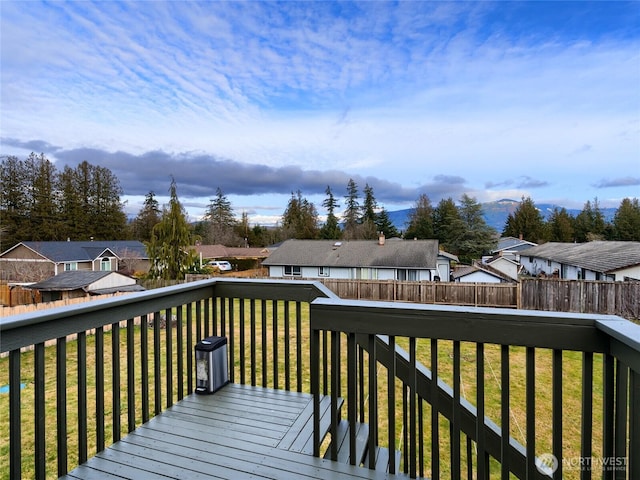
{"x": 223, "y": 266}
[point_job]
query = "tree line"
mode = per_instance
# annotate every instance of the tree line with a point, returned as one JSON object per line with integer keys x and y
{"x": 39, "y": 202}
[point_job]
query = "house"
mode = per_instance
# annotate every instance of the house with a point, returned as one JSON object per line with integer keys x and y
{"x": 395, "y": 259}
{"x": 510, "y": 247}
{"x": 505, "y": 265}
{"x": 480, "y": 273}
{"x": 615, "y": 261}
{"x": 74, "y": 284}
{"x": 36, "y": 261}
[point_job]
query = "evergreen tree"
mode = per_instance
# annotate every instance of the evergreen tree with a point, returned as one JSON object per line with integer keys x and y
{"x": 589, "y": 223}
{"x": 170, "y": 249}
{"x": 368, "y": 218}
{"x": 108, "y": 220}
{"x": 447, "y": 224}
{"x": 221, "y": 223}
{"x": 42, "y": 199}
{"x": 331, "y": 229}
{"x": 477, "y": 237}
{"x": 526, "y": 221}
{"x": 13, "y": 202}
{"x": 148, "y": 217}
{"x": 384, "y": 224}
{"x": 420, "y": 223}
{"x": 352, "y": 212}
{"x": 560, "y": 226}
{"x": 300, "y": 219}
{"x": 626, "y": 222}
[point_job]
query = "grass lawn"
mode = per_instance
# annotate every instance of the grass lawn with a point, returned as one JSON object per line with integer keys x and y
{"x": 286, "y": 344}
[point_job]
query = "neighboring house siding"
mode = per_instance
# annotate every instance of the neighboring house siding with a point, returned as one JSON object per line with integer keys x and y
{"x": 479, "y": 277}
{"x": 630, "y": 272}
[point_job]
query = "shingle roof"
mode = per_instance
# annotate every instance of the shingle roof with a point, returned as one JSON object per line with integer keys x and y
{"x": 79, "y": 279}
{"x": 510, "y": 243}
{"x": 86, "y": 251}
{"x": 600, "y": 256}
{"x": 357, "y": 253}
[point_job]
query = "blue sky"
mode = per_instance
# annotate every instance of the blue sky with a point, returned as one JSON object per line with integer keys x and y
{"x": 493, "y": 99}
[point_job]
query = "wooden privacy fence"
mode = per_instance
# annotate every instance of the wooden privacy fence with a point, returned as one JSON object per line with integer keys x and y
{"x": 580, "y": 296}
{"x": 446, "y": 293}
{"x": 614, "y": 298}
{"x": 16, "y": 295}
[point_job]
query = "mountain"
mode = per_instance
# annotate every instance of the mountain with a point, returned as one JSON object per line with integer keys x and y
{"x": 496, "y": 213}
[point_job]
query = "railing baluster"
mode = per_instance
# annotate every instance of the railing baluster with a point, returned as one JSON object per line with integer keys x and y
{"x": 15, "y": 425}
{"x": 412, "y": 407}
{"x": 207, "y": 317}
{"x": 469, "y": 458}
{"x": 274, "y": 329}
{"x": 335, "y": 373}
{"x": 608, "y": 405}
{"x": 455, "y": 415}
{"x": 61, "y": 403}
{"x": 180, "y": 351}
{"x": 634, "y": 425}
{"x": 325, "y": 363}
{"x": 232, "y": 340}
{"x": 157, "y": 381}
{"x": 373, "y": 401}
{"x": 199, "y": 335}
{"x": 391, "y": 404}
{"x": 100, "y": 430}
{"x": 168, "y": 325}
{"x": 190, "y": 350}
{"x": 622, "y": 397}
{"x": 81, "y": 355}
{"x": 586, "y": 427}
{"x": 482, "y": 469}
{"x": 435, "y": 412}
{"x": 531, "y": 411}
{"x": 253, "y": 321}
{"x": 557, "y": 410}
{"x": 420, "y": 436}
{"x": 299, "y": 356}
{"x": 263, "y": 331}
{"x": 405, "y": 427}
{"x": 115, "y": 375}
{"x": 352, "y": 395}
{"x": 315, "y": 388}
{"x": 287, "y": 347}
{"x": 40, "y": 413}
{"x": 131, "y": 377}
{"x": 243, "y": 347}
{"x": 504, "y": 411}
{"x": 144, "y": 366}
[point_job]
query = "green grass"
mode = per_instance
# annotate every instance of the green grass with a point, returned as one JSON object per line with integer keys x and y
{"x": 572, "y": 365}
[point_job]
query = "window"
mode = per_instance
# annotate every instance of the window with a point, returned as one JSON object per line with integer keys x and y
{"x": 292, "y": 271}
{"x": 70, "y": 266}
{"x": 323, "y": 271}
{"x": 406, "y": 274}
{"x": 105, "y": 264}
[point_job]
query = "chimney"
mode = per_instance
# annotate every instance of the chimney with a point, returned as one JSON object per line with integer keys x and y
{"x": 380, "y": 238}
{"x": 520, "y": 237}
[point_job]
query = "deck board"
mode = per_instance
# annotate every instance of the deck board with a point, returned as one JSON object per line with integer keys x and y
{"x": 238, "y": 432}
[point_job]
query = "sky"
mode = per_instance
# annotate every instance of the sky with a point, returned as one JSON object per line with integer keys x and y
{"x": 263, "y": 99}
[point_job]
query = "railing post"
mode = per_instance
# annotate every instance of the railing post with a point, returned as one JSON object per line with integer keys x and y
{"x": 15, "y": 436}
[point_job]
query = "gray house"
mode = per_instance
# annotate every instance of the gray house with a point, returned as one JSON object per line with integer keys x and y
{"x": 35, "y": 261}
{"x": 381, "y": 259}
{"x": 584, "y": 261}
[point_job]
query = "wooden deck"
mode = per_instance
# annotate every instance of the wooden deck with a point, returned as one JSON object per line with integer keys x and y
{"x": 238, "y": 432}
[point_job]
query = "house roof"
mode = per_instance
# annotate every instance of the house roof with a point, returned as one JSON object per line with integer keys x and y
{"x": 220, "y": 251}
{"x": 512, "y": 243}
{"x": 86, "y": 251}
{"x": 357, "y": 253}
{"x": 486, "y": 269}
{"x": 598, "y": 256}
{"x": 80, "y": 279}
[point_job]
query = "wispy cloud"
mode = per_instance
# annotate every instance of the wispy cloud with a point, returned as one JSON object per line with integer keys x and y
{"x": 618, "y": 182}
